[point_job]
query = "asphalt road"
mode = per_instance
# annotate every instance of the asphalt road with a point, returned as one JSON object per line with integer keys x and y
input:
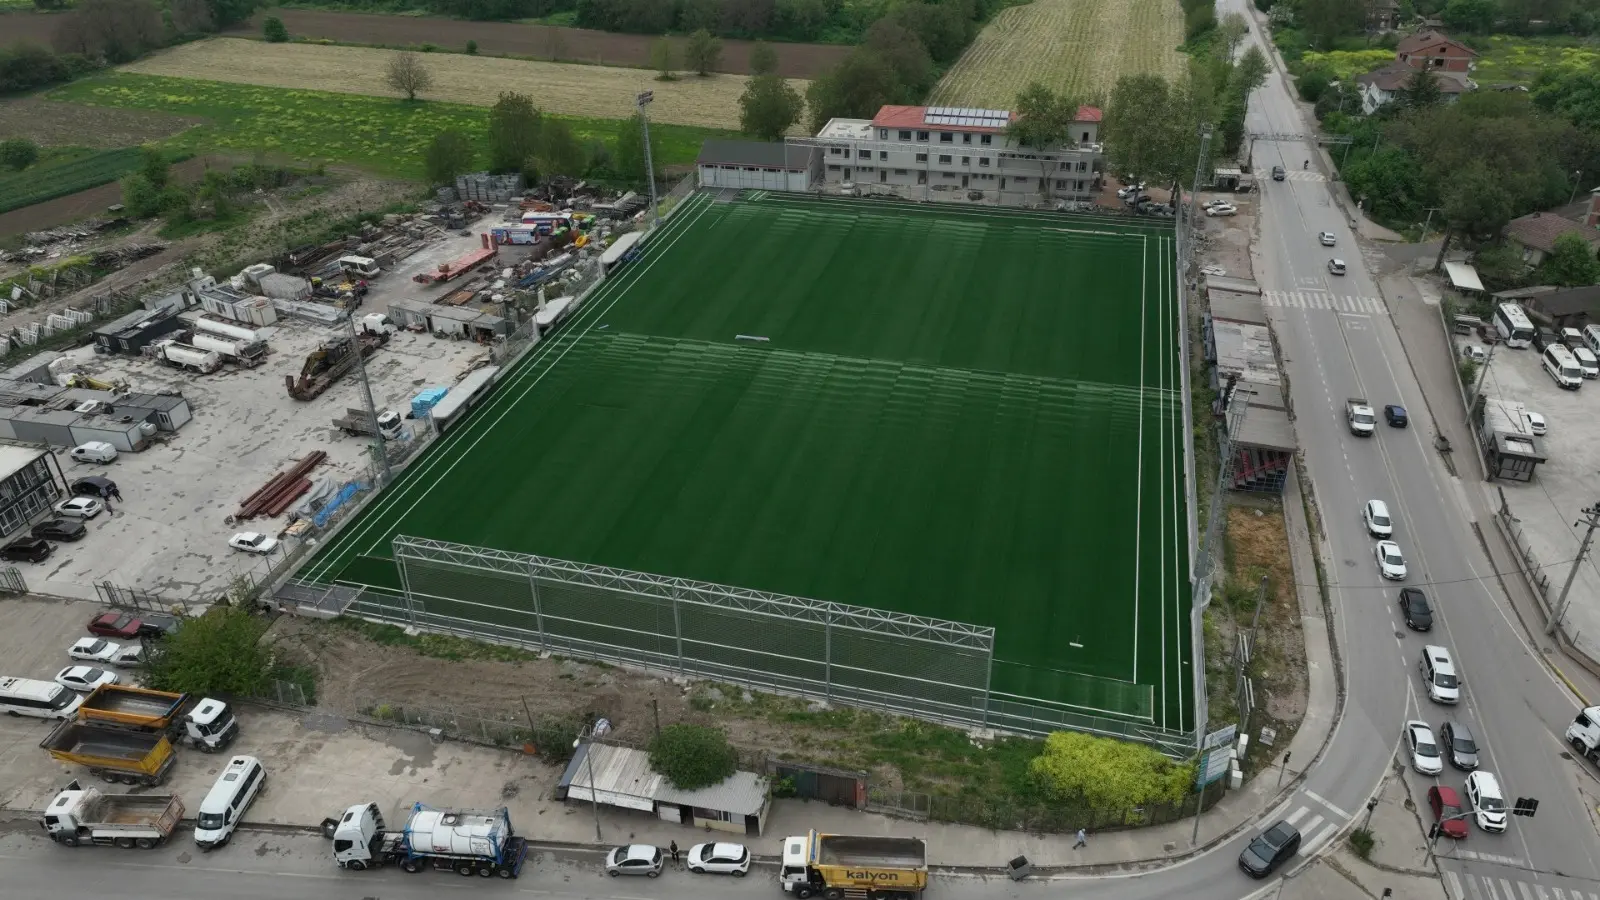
{"x": 1338, "y": 346}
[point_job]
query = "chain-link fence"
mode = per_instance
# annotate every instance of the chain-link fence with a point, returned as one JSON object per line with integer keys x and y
{"x": 1008, "y": 812}
{"x": 117, "y": 596}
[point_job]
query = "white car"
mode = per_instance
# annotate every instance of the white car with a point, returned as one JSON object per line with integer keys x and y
{"x": 1218, "y": 271}
{"x": 1327, "y": 239}
{"x": 85, "y": 678}
{"x": 721, "y": 859}
{"x": 1130, "y": 190}
{"x": 1225, "y": 209}
{"x": 79, "y": 507}
{"x": 1424, "y": 752}
{"x": 1488, "y": 804}
{"x": 1216, "y": 201}
{"x": 1376, "y": 516}
{"x": 1536, "y": 423}
{"x": 1390, "y": 563}
{"x": 253, "y": 542}
{"x": 1336, "y": 266}
{"x": 100, "y": 650}
{"x": 1475, "y": 353}
{"x": 635, "y": 859}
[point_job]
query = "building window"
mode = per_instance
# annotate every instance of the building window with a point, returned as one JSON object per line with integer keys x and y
{"x": 712, "y": 815}
{"x": 946, "y": 137}
{"x": 922, "y": 136}
{"x": 966, "y": 138}
{"x": 966, "y": 160}
{"x": 833, "y": 168}
{"x": 983, "y": 162}
{"x": 864, "y": 154}
{"x": 922, "y": 178}
{"x": 905, "y": 134}
{"x": 835, "y": 151}
{"x": 899, "y": 171}
{"x": 922, "y": 157}
{"x": 986, "y": 139}
{"x": 883, "y": 156}
{"x": 944, "y": 160}
{"x": 1061, "y": 184}
{"x": 1086, "y": 137}
{"x": 883, "y": 134}
{"x": 1083, "y": 165}
{"x": 1022, "y": 181}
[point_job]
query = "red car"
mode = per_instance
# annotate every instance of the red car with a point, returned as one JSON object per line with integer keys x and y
{"x": 1446, "y": 802}
{"x": 117, "y": 625}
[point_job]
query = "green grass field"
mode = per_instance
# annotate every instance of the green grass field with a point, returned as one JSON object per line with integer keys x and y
{"x": 60, "y": 172}
{"x": 382, "y": 135}
{"x": 958, "y": 413}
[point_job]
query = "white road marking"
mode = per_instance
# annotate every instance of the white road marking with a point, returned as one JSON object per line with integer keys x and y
{"x": 1320, "y": 799}
{"x": 1321, "y": 836}
{"x": 1453, "y": 886}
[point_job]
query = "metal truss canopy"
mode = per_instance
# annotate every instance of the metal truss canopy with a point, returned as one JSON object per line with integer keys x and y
{"x": 1300, "y": 138}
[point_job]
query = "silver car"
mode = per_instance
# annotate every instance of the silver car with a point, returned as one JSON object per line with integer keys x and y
{"x": 635, "y": 859}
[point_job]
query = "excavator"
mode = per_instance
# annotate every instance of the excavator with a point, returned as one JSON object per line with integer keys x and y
{"x": 326, "y": 364}
{"x": 80, "y": 380}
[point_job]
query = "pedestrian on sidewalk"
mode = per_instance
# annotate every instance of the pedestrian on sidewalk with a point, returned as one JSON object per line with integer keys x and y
{"x": 1083, "y": 839}
{"x": 673, "y": 849}
{"x": 117, "y": 494}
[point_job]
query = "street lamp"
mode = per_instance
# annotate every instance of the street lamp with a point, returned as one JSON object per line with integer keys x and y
{"x": 1577, "y": 179}
{"x": 594, "y": 794}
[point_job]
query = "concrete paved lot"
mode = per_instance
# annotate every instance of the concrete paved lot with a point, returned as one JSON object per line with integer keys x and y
{"x": 170, "y": 536}
{"x": 1570, "y": 480}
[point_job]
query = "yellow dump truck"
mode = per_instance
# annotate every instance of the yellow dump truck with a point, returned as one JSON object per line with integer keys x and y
{"x": 207, "y": 724}
{"x": 840, "y": 866}
{"x": 112, "y": 754}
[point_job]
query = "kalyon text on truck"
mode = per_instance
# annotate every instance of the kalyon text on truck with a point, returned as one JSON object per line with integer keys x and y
{"x": 848, "y": 867}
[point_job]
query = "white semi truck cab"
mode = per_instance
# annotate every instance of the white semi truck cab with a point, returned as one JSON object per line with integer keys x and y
{"x": 1584, "y": 733}
{"x": 461, "y": 841}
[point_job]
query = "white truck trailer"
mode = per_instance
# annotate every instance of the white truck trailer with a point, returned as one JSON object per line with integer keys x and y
{"x": 244, "y": 353}
{"x": 77, "y": 816}
{"x": 184, "y": 356}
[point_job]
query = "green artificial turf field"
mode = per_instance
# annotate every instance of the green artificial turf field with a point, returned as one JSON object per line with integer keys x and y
{"x": 959, "y": 413}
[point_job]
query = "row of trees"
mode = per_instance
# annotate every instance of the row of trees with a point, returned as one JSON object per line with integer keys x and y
{"x": 25, "y": 66}
{"x": 797, "y": 20}
{"x": 523, "y": 139}
{"x": 1332, "y": 23}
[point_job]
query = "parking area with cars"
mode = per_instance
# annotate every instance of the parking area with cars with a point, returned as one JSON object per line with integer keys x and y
{"x": 1562, "y": 421}
{"x": 156, "y": 520}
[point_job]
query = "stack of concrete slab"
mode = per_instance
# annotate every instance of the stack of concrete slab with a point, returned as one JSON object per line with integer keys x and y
{"x": 486, "y": 188}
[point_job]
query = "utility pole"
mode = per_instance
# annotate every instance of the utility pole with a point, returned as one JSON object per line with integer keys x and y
{"x": 1431, "y": 211}
{"x": 1483, "y": 374}
{"x": 1194, "y": 195}
{"x": 378, "y": 449}
{"x": 594, "y": 792}
{"x": 1240, "y": 653}
{"x": 1577, "y": 180}
{"x": 1592, "y": 521}
{"x": 643, "y": 100}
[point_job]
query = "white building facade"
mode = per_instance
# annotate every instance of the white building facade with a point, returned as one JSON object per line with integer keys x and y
{"x": 957, "y": 153}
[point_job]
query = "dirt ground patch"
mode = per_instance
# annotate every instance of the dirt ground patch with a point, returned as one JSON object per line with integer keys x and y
{"x": 1258, "y": 545}
{"x": 71, "y": 125}
{"x": 563, "y": 88}
{"x": 25, "y": 25}
{"x": 577, "y": 45}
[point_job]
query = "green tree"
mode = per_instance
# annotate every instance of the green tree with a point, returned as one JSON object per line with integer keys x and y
{"x": 18, "y": 153}
{"x": 763, "y": 59}
{"x": 1390, "y": 183}
{"x": 153, "y": 165}
{"x": 1571, "y": 263}
{"x": 1500, "y": 267}
{"x": 472, "y": 48}
{"x": 228, "y": 12}
{"x": 560, "y": 153}
{"x": 514, "y": 125}
{"x": 1573, "y": 95}
{"x": 1421, "y": 90}
{"x": 220, "y": 652}
{"x": 216, "y": 191}
{"x": 769, "y": 107}
{"x": 450, "y": 154}
{"x": 1477, "y": 16}
{"x": 663, "y": 59}
{"x": 692, "y": 756}
{"x": 1250, "y": 72}
{"x": 1043, "y": 122}
{"x": 272, "y": 28}
{"x": 1314, "y": 82}
{"x": 1150, "y": 128}
{"x": 904, "y": 54}
{"x": 407, "y": 75}
{"x": 1325, "y": 21}
{"x": 1475, "y": 203}
{"x": 855, "y": 88}
{"x": 140, "y": 198}
{"x": 703, "y": 52}
{"x": 1103, "y": 773}
{"x": 1231, "y": 32}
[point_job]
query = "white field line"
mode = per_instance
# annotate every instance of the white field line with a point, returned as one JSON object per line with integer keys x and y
{"x": 1144, "y": 260}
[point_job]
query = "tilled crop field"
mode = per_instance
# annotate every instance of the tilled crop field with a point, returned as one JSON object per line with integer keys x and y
{"x": 562, "y": 88}
{"x": 1077, "y": 46}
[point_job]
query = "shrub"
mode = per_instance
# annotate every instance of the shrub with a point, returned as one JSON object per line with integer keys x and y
{"x": 472, "y": 48}
{"x": 1362, "y": 842}
{"x": 272, "y": 28}
{"x": 1102, "y": 773}
{"x": 692, "y": 756}
{"x": 18, "y": 153}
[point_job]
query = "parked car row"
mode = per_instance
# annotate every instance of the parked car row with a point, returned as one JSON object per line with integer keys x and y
{"x": 712, "y": 858}
{"x": 87, "y": 501}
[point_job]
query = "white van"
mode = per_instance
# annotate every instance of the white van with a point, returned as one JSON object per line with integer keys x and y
{"x": 94, "y": 452}
{"x": 1562, "y": 368}
{"x": 1591, "y": 338}
{"x": 224, "y": 806}
{"x": 1439, "y": 675}
{"x": 40, "y": 699}
{"x": 1588, "y": 363}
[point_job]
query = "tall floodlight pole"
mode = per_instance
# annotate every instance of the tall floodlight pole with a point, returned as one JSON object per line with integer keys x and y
{"x": 368, "y": 406}
{"x": 642, "y": 101}
{"x": 1194, "y": 190}
{"x": 1591, "y": 518}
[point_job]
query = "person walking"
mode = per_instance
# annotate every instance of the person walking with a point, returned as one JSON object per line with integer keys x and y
{"x": 116, "y": 494}
{"x": 1083, "y": 839}
{"x": 673, "y": 849}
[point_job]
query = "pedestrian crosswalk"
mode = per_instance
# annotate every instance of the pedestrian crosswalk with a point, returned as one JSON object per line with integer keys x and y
{"x": 1325, "y": 300}
{"x": 1462, "y": 886}
{"x": 1315, "y": 825}
{"x": 1305, "y": 175}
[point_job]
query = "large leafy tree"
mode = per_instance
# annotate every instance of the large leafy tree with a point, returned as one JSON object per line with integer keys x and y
{"x": 692, "y": 756}
{"x": 220, "y": 652}
{"x": 769, "y": 107}
{"x": 702, "y": 52}
{"x": 1326, "y": 21}
{"x": 1043, "y": 122}
{"x": 514, "y": 126}
{"x": 855, "y": 88}
{"x": 1421, "y": 90}
{"x": 1571, "y": 263}
{"x": 450, "y": 154}
{"x": 1151, "y": 127}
